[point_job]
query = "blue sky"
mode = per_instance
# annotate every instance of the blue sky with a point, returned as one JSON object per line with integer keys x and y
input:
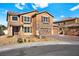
{"x": 58, "y": 10}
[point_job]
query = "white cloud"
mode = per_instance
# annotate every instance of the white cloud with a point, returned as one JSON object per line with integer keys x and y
{"x": 40, "y": 5}
{"x": 62, "y": 16}
{"x": 55, "y": 19}
{"x": 34, "y": 6}
{"x": 20, "y": 5}
{"x": 74, "y": 8}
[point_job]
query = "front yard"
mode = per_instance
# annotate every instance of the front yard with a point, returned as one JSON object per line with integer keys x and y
{"x": 8, "y": 40}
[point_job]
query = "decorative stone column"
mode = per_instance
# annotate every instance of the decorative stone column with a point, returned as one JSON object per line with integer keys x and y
{"x": 20, "y": 32}
{"x": 10, "y": 30}
{"x": 52, "y": 30}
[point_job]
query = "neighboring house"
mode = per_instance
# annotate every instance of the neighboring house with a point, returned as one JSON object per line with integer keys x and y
{"x": 69, "y": 26}
{"x": 30, "y": 23}
{"x": 55, "y": 29}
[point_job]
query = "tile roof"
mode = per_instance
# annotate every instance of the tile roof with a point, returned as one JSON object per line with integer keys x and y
{"x": 66, "y": 19}
{"x": 72, "y": 25}
{"x": 12, "y": 13}
{"x": 46, "y": 12}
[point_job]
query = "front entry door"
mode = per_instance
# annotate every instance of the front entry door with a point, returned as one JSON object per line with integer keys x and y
{"x": 15, "y": 30}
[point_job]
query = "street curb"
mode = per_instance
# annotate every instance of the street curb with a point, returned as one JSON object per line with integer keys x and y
{"x": 28, "y": 45}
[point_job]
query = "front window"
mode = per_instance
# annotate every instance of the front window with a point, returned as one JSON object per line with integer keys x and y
{"x": 45, "y": 19}
{"x": 15, "y": 18}
{"x": 27, "y": 19}
{"x": 28, "y": 29}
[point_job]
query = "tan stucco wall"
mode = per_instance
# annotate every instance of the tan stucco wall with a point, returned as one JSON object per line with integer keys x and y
{"x": 55, "y": 30}
{"x": 77, "y": 20}
{"x": 32, "y": 24}
{"x": 9, "y": 30}
{"x": 38, "y": 21}
{"x": 71, "y": 31}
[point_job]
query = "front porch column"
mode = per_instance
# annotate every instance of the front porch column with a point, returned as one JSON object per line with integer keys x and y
{"x": 10, "y": 30}
{"x": 52, "y": 31}
{"x": 63, "y": 31}
{"x": 21, "y": 32}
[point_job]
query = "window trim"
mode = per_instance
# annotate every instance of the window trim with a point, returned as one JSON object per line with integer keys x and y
{"x": 45, "y": 19}
{"x": 27, "y": 29}
{"x": 14, "y": 19}
{"x": 26, "y": 21}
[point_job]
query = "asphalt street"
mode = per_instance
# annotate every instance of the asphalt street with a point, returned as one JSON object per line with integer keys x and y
{"x": 45, "y": 50}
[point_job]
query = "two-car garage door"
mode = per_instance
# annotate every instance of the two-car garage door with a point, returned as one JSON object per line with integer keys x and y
{"x": 45, "y": 31}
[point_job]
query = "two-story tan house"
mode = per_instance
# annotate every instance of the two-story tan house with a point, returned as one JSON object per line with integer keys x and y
{"x": 30, "y": 23}
{"x": 68, "y": 26}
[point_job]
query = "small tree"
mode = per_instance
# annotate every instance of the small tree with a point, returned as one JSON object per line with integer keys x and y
{"x": 2, "y": 27}
{"x": 1, "y": 32}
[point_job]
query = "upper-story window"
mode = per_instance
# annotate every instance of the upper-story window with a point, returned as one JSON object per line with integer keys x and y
{"x": 15, "y": 18}
{"x": 27, "y": 19}
{"x": 44, "y": 19}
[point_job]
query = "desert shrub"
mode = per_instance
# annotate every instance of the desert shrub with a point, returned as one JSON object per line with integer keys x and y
{"x": 1, "y": 32}
{"x": 28, "y": 40}
{"x": 9, "y": 36}
{"x": 24, "y": 40}
{"x": 20, "y": 40}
